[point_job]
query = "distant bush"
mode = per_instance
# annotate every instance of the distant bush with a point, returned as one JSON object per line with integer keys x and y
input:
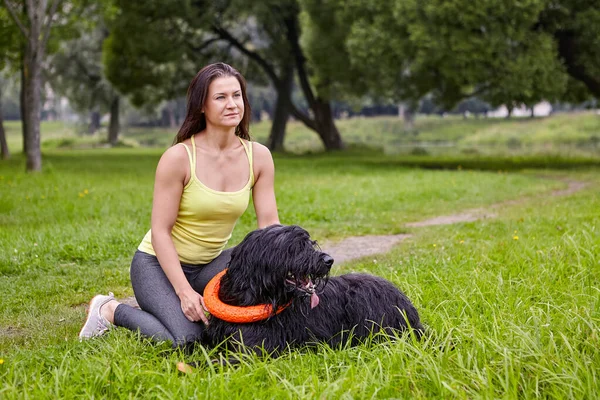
{"x": 470, "y": 150}
{"x": 514, "y": 143}
{"x": 419, "y": 151}
{"x": 59, "y": 143}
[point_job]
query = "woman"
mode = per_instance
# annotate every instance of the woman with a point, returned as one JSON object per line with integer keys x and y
{"x": 202, "y": 187}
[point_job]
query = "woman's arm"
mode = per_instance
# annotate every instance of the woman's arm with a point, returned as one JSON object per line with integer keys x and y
{"x": 171, "y": 174}
{"x": 263, "y": 192}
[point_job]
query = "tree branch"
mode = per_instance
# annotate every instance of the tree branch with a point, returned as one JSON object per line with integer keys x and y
{"x": 206, "y": 43}
{"x": 293, "y": 38}
{"x": 94, "y": 79}
{"x": 48, "y": 25}
{"x": 30, "y": 10}
{"x": 476, "y": 92}
{"x": 22, "y": 28}
{"x": 303, "y": 117}
{"x": 225, "y": 35}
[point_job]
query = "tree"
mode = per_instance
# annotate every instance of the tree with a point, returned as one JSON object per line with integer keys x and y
{"x": 262, "y": 38}
{"x": 76, "y": 72}
{"x": 279, "y": 27}
{"x": 328, "y": 27}
{"x": 9, "y": 43}
{"x": 35, "y": 28}
{"x": 4, "y": 152}
{"x": 513, "y": 52}
{"x": 148, "y": 54}
{"x": 533, "y": 75}
{"x": 575, "y": 26}
{"x": 324, "y": 35}
{"x": 347, "y": 33}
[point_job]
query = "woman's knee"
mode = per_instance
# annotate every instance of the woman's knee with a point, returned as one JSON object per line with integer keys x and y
{"x": 186, "y": 338}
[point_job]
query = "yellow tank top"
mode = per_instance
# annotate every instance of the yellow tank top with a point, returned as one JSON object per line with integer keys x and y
{"x": 206, "y": 217}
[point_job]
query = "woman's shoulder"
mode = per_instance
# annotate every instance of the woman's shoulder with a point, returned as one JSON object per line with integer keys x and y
{"x": 260, "y": 151}
{"x": 263, "y": 161}
{"x": 175, "y": 159}
{"x": 177, "y": 152}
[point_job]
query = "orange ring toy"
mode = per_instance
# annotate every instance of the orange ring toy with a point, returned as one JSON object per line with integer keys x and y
{"x": 236, "y": 314}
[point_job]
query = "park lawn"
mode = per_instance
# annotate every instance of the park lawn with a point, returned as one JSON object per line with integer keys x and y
{"x": 568, "y": 134}
{"x": 49, "y": 131}
{"x": 511, "y": 303}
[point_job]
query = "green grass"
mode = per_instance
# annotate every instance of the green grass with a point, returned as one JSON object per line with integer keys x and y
{"x": 512, "y": 303}
{"x": 566, "y": 135}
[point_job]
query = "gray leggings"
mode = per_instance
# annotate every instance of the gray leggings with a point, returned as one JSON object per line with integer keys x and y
{"x": 160, "y": 316}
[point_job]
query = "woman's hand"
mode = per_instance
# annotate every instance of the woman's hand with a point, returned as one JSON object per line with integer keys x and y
{"x": 192, "y": 305}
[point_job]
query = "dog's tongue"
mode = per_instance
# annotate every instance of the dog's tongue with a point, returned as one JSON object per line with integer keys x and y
{"x": 314, "y": 300}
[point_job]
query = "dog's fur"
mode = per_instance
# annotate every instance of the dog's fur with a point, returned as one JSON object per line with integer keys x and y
{"x": 281, "y": 264}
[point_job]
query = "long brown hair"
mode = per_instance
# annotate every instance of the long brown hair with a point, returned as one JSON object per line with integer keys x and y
{"x": 195, "y": 121}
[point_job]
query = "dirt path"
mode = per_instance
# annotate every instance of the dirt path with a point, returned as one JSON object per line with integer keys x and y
{"x": 355, "y": 247}
{"x": 362, "y": 246}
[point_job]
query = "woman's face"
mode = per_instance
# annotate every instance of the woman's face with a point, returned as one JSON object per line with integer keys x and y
{"x": 224, "y": 105}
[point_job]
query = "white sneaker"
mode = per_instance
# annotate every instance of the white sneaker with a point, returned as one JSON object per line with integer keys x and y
{"x": 96, "y": 324}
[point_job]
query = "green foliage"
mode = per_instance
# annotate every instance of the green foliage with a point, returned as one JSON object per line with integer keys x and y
{"x": 10, "y": 40}
{"x": 324, "y": 32}
{"x": 575, "y": 25}
{"x": 145, "y": 55}
{"x": 155, "y": 48}
{"x": 76, "y": 72}
{"x": 71, "y": 17}
{"x": 532, "y": 75}
{"x": 505, "y": 52}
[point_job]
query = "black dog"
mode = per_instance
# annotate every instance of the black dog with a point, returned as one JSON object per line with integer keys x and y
{"x": 280, "y": 267}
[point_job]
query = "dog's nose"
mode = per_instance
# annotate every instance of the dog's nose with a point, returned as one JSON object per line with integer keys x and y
{"x": 328, "y": 260}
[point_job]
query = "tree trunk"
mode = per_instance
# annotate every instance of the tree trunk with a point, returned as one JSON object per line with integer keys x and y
{"x": 323, "y": 122}
{"x": 532, "y": 115}
{"x": 23, "y": 103}
{"x": 113, "y": 126}
{"x": 409, "y": 119}
{"x": 325, "y": 125}
{"x": 407, "y": 112}
{"x": 33, "y": 78}
{"x": 171, "y": 114}
{"x": 282, "y": 111}
{"x": 94, "y": 122}
{"x": 36, "y": 33}
{"x": 4, "y": 152}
